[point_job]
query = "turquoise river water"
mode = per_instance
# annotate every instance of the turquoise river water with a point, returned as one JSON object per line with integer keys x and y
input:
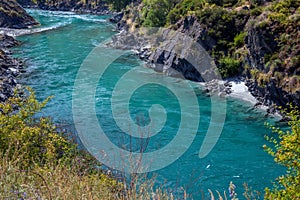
{"x": 53, "y": 58}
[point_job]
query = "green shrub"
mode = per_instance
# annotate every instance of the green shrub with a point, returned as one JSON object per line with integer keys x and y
{"x": 286, "y": 151}
{"x": 228, "y": 67}
{"x": 256, "y": 11}
{"x": 37, "y": 136}
{"x": 239, "y": 39}
{"x": 37, "y": 162}
{"x": 223, "y": 2}
{"x": 154, "y": 12}
{"x": 118, "y": 4}
{"x": 184, "y": 8}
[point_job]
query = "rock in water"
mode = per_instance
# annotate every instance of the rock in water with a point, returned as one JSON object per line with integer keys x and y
{"x": 12, "y": 15}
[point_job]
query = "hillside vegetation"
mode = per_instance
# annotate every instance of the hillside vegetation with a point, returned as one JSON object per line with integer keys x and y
{"x": 255, "y": 39}
{"x": 230, "y": 23}
{"x": 39, "y": 162}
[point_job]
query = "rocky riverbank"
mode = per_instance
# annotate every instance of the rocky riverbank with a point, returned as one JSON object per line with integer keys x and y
{"x": 80, "y": 7}
{"x": 252, "y": 45}
{"x": 12, "y": 15}
{"x": 10, "y": 68}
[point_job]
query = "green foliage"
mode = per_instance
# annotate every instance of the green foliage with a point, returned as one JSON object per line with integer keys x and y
{"x": 223, "y": 2}
{"x": 286, "y": 151}
{"x": 154, "y": 12}
{"x": 239, "y": 39}
{"x": 37, "y": 162}
{"x": 37, "y": 136}
{"x": 256, "y": 2}
{"x": 254, "y": 73}
{"x": 184, "y": 8}
{"x": 220, "y": 24}
{"x": 284, "y": 8}
{"x": 118, "y": 4}
{"x": 228, "y": 67}
{"x": 256, "y": 11}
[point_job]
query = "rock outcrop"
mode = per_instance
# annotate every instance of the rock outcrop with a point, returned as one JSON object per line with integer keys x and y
{"x": 12, "y": 15}
{"x": 271, "y": 95}
{"x": 179, "y": 51}
{"x": 266, "y": 51}
{"x": 182, "y": 52}
{"x": 10, "y": 68}
{"x": 273, "y": 84}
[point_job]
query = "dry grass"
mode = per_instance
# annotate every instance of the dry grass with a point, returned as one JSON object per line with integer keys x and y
{"x": 52, "y": 182}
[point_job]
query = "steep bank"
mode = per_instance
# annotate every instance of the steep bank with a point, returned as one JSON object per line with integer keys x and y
{"x": 257, "y": 42}
{"x": 12, "y": 15}
{"x": 10, "y": 68}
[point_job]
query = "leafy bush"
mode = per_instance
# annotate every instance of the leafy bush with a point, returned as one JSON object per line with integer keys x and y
{"x": 239, "y": 39}
{"x": 21, "y": 131}
{"x": 223, "y": 2}
{"x": 286, "y": 151}
{"x": 37, "y": 161}
{"x": 118, "y": 4}
{"x": 183, "y": 9}
{"x": 155, "y": 12}
{"x": 228, "y": 67}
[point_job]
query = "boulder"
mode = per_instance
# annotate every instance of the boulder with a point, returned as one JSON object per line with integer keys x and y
{"x": 12, "y": 15}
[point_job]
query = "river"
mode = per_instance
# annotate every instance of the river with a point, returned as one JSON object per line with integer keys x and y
{"x": 54, "y": 56}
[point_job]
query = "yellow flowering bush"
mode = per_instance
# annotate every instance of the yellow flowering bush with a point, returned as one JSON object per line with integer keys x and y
{"x": 22, "y": 131}
{"x": 286, "y": 151}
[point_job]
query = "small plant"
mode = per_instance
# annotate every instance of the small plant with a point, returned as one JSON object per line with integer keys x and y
{"x": 250, "y": 194}
{"x": 228, "y": 67}
{"x": 231, "y": 190}
{"x": 239, "y": 39}
{"x": 232, "y": 193}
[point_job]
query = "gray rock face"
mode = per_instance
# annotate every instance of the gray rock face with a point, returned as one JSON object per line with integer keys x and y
{"x": 270, "y": 94}
{"x": 257, "y": 45}
{"x": 117, "y": 17}
{"x": 182, "y": 53}
{"x": 12, "y": 15}
{"x": 163, "y": 57}
{"x": 178, "y": 52}
{"x": 10, "y": 68}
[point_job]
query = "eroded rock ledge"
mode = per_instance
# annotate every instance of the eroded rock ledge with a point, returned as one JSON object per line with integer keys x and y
{"x": 12, "y": 15}
{"x": 10, "y": 68}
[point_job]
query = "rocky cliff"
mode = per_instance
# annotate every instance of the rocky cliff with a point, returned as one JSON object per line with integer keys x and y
{"x": 10, "y": 67}
{"x": 260, "y": 44}
{"x": 275, "y": 82}
{"x": 12, "y": 15}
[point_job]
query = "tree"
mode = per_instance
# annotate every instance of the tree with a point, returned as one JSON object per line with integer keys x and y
{"x": 119, "y": 4}
{"x": 154, "y": 13}
{"x": 286, "y": 151}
